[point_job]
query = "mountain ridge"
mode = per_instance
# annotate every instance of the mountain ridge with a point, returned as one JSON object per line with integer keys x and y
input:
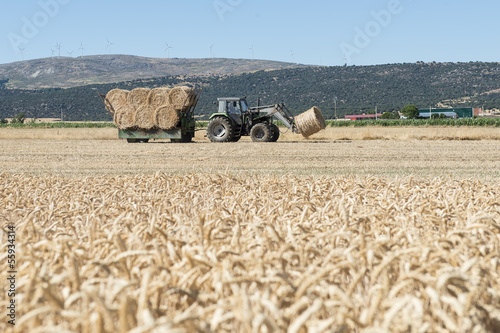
{"x": 68, "y": 72}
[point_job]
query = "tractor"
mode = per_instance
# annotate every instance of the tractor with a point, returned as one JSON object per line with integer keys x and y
{"x": 235, "y": 119}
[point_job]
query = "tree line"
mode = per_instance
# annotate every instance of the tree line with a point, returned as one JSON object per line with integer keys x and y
{"x": 356, "y": 89}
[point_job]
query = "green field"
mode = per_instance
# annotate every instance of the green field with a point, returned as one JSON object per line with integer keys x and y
{"x": 473, "y": 122}
{"x": 58, "y": 125}
{"x": 494, "y": 122}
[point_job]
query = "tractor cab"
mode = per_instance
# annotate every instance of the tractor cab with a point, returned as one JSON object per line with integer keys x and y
{"x": 233, "y": 108}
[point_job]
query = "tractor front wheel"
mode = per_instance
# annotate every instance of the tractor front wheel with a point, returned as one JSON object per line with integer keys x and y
{"x": 275, "y": 133}
{"x": 261, "y": 133}
{"x": 220, "y": 129}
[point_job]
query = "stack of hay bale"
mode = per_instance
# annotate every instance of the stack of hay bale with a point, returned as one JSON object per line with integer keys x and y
{"x": 148, "y": 109}
{"x": 310, "y": 122}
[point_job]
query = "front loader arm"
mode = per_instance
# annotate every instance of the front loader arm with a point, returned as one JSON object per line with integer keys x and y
{"x": 280, "y": 113}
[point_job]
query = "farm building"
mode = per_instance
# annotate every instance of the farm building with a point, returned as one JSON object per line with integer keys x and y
{"x": 447, "y": 114}
{"x": 460, "y": 113}
{"x": 363, "y": 116}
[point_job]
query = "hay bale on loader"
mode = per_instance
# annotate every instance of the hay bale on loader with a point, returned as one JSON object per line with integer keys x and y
{"x": 158, "y": 97}
{"x": 310, "y": 122}
{"x": 180, "y": 97}
{"x": 138, "y": 97}
{"x": 167, "y": 117}
{"x": 125, "y": 117}
{"x": 115, "y": 99}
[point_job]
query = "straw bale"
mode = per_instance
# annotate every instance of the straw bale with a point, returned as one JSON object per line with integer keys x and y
{"x": 138, "y": 97}
{"x": 181, "y": 97}
{"x": 158, "y": 97}
{"x": 115, "y": 99}
{"x": 167, "y": 117}
{"x": 125, "y": 117}
{"x": 145, "y": 117}
{"x": 310, "y": 122}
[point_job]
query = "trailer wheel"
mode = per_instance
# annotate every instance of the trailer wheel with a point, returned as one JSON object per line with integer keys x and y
{"x": 261, "y": 133}
{"x": 137, "y": 140}
{"x": 220, "y": 129}
{"x": 275, "y": 133}
{"x": 185, "y": 139}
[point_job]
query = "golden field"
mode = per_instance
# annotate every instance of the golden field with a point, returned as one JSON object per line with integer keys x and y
{"x": 331, "y": 234}
{"x": 221, "y": 253}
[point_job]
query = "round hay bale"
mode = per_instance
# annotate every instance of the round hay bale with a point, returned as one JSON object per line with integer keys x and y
{"x": 181, "y": 97}
{"x": 125, "y": 117}
{"x": 138, "y": 97}
{"x": 145, "y": 117}
{"x": 115, "y": 99}
{"x": 310, "y": 122}
{"x": 167, "y": 117}
{"x": 158, "y": 97}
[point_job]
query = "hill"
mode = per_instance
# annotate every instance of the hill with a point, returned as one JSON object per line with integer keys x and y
{"x": 65, "y": 72}
{"x": 358, "y": 89}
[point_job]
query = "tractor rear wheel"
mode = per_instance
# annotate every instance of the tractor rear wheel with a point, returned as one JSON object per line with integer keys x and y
{"x": 261, "y": 133}
{"x": 275, "y": 133}
{"x": 220, "y": 129}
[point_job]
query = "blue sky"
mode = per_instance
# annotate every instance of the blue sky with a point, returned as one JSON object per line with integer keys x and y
{"x": 361, "y": 32}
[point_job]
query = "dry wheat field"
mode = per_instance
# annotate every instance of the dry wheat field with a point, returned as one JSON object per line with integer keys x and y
{"x": 320, "y": 235}
{"x": 253, "y": 253}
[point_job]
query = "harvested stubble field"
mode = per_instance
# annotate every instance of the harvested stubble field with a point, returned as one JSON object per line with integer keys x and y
{"x": 221, "y": 253}
{"x": 477, "y": 159}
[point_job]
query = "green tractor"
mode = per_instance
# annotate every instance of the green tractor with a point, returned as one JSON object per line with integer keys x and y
{"x": 235, "y": 119}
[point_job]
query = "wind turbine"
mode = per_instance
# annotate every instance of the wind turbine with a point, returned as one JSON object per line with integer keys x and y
{"x": 81, "y": 48}
{"x": 167, "y": 49}
{"x": 109, "y": 46}
{"x": 52, "y": 51}
{"x": 58, "y": 47}
{"x": 251, "y": 49}
{"x": 211, "y": 46}
{"x": 22, "y": 52}
{"x": 70, "y": 53}
{"x": 292, "y": 54}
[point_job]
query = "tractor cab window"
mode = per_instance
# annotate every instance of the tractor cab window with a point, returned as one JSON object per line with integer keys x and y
{"x": 244, "y": 106}
{"x": 233, "y": 107}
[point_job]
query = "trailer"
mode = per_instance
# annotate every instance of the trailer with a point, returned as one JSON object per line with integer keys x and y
{"x": 184, "y": 132}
